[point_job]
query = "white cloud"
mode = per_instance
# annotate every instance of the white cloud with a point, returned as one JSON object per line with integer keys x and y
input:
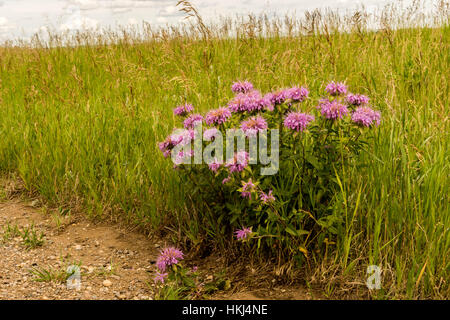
{"x": 5, "y": 25}
{"x": 28, "y": 15}
{"x": 117, "y": 6}
{"x": 85, "y": 4}
{"x": 78, "y": 22}
{"x": 161, "y": 20}
{"x": 132, "y": 21}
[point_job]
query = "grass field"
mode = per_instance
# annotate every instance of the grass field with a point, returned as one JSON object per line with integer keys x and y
{"x": 80, "y": 125}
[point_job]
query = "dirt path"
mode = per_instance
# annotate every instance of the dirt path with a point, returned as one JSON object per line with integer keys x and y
{"x": 115, "y": 263}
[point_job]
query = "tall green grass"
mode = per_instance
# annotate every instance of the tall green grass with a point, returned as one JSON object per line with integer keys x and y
{"x": 80, "y": 124}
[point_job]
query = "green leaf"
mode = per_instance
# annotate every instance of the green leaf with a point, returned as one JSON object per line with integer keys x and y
{"x": 314, "y": 162}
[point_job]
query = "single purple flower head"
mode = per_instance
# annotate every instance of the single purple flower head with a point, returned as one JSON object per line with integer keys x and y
{"x": 184, "y": 137}
{"x": 243, "y": 233}
{"x": 336, "y": 88}
{"x": 160, "y": 277}
{"x": 297, "y": 121}
{"x": 241, "y": 87}
{"x": 226, "y": 180}
{"x": 357, "y": 99}
{"x": 183, "y": 157}
{"x": 266, "y": 198}
{"x": 253, "y": 125}
{"x": 247, "y": 102}
{"x": 297, "y": 94}
{"x": 332, "y": 109}
{"x": 238, "y": 162}
{"x": 267, "y": 102}
{"x": 210, "y": 134}
{"x": 193, "y": 120}
{"x": 168, "y": 257}
{"x": 183, "y": 110}
{"x": 165, "y": 147}
{"x": 247, "y": 189}
{"x": 279, "y": 97}
{"x": 217, "y": 116}
{"x": 215, "y": 165}
{"x": 366, "y": 117}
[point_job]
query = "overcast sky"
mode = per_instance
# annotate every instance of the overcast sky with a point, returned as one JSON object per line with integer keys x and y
{"x": 21, "y": 18}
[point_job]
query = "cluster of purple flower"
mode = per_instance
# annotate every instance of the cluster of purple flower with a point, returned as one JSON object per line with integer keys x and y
{"x": 248, "y": 102}
{"x": 332, "y": 109}
{"x": 183, "y": 157}
{"x": 247, "y": 189}
{"x": 336, "y": 88}
{"x": 210, "y": 134}
{"x": 217, "y": 116}
{"x": 167, "y": 257}
{"x": 297, "y": 121}
{"x": 171, "y": 141}
{"x": 366, "y": 117}
{"x": 253, "y": 125}
{"x": 294, "y": 94}
{"x": 215, "y": 165}
{"x": 243, "y": 233}
{"x": 242, "y": 86}
{"x": 183, "y": 110}
{"x": 337, "y": 105}
{"x": 357, "y": 99}
{"x": 238, "y": 162}
{"x": 266, "y": 198}
{"x": 193, "y": 120}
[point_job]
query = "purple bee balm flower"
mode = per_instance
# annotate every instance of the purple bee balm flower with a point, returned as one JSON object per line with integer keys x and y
{"x": 279, "y": 97}
{"x": 214, "y": 166}
{"x": 247, "y": 102}
{"x": 267, "y": 102}
{"x": 336, "y": 88}
{"x": 226, "y": 180}
{"x": 217, "y": 116}
{"x": 247, "y": 189}
{"x": 160, "y": 277}
{"x": 192, "y": 121}
{"x": 171, "y": 141}
{"x": 297, "y": 94}
{"x": 183, "y": 110}
{"x": 182, "y": 137}
{"x": 357, "y": 99}
{"x": 252, "y": 126}
{"x": 168, "y": 257}
{"x": 266, "y": 198}
{"x": 332, "y": 109}
{"x": 238, "y": 162}
{"x": 183, "y": 157}
{"x": 241, "y": 86}
{"x": 164, "y": 147}
{"x": 366, "y": 117}
{"x": 243, "y": 233}
{"x": 210, "y": 134}
{"x": 297, "y": 121}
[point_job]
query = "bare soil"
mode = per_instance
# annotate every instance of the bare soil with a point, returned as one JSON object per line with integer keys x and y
{"x": 115, "y": 262}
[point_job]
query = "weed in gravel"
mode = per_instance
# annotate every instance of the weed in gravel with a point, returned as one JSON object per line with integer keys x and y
{"x": 32, "y": 238}
{"x": 10, "y": 232}
{"x": 51, "y": 274}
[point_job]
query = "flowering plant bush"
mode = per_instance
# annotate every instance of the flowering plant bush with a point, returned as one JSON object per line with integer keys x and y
{"x": 174, "y": 281}
{"x": 296, "y": 202}
{"x": 172, "y": 278}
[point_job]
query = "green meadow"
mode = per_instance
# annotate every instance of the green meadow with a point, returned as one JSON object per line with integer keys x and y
{"x": 81, "y": 117}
